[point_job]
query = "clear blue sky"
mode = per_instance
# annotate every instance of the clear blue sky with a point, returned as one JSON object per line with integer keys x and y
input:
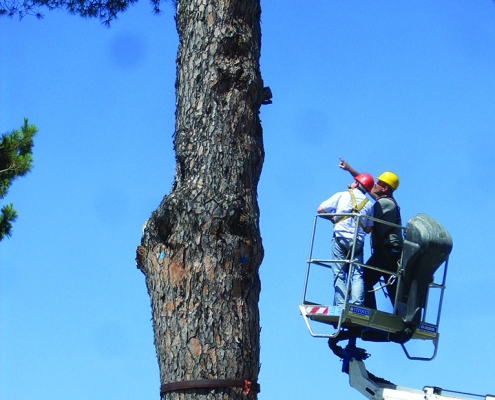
{"x": 405, "y": 86}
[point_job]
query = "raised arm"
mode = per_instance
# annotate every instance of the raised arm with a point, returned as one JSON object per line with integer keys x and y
{"x": 346, "y": 167}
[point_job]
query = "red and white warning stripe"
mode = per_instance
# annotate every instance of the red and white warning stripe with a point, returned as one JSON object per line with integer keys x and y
{"x": 317, "y": 310}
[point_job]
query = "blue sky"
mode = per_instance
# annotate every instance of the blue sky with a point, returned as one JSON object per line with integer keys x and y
{"x": 401, "y": 86}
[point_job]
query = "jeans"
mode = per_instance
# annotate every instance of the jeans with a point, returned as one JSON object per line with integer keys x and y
{"x": 341, "y": 250}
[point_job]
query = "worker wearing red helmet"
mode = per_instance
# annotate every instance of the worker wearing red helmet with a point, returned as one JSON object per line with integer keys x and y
{"x": 386, "y": 241}
{"x": 352, "y": 200}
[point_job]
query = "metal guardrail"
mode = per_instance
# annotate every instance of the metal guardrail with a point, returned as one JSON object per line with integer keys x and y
{"x": 351, "y": 260}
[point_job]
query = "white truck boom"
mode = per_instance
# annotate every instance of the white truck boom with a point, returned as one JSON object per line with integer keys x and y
{"x": 373, "y": 389}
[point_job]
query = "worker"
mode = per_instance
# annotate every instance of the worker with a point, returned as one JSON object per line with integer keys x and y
{"x": 386, "y": 241}
{"x": 353, "y": 200}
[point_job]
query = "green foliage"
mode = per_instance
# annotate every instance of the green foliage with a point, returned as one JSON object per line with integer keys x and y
{"x": 15, "y": 160}
{"x": 105, "y": 10}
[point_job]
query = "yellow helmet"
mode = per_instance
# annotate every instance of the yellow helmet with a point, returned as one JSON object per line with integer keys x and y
{"x": 390, "y": 179}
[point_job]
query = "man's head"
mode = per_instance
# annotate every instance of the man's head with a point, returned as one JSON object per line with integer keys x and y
{"x": 363, "y": 182}
{"x": 386, "y": 184}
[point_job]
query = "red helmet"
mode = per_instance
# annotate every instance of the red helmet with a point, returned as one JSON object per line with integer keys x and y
{"x": 366, "y": 180}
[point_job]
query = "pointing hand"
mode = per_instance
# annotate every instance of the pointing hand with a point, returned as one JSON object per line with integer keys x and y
{"x": 343, "y": 164}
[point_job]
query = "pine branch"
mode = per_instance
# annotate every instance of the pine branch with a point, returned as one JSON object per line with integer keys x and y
{"x": 15, "y": 160}
{"x": 105, "y": 10}
{"x": 7, "y": 216}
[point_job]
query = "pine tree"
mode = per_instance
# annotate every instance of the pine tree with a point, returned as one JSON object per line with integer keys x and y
{"x": 201, "y": 249}
{"x": 15, "y": 161}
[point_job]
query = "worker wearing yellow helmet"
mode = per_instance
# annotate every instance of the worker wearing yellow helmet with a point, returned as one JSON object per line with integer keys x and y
{"x": 386, "y": 240}
{"x": 390, "y": 179}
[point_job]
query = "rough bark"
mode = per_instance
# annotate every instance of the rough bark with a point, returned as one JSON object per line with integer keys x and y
{"x": 201, "y": 249}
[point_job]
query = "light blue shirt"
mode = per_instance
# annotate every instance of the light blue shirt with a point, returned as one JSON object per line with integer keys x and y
{"x": 341, "y": 202}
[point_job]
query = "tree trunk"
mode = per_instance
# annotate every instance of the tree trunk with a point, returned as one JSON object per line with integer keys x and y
{"x": 201, "y": 249}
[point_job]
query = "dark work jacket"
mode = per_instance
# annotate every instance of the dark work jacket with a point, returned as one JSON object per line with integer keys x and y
{"x": 386, "y": 209}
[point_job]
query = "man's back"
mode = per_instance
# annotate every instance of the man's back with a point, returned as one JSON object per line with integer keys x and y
{"x": 342, "y": 202}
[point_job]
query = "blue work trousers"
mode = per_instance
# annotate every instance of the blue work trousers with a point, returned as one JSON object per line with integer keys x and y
{"x": 341, "y": 250}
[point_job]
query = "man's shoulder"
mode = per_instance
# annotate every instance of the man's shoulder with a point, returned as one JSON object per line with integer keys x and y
{"x": 385, "y": 205}
{"x": 358, "y": 194}
{"x": 333, "y": 200}
{"x": 338, "y": 195}
{"x": 386, "y": 201}
{"x": 360, "y": 197}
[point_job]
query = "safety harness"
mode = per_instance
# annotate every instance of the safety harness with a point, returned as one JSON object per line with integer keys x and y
{"x": 355, "y": 208}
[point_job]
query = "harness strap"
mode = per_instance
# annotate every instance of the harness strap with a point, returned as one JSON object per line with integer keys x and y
{"x": 355, "y": 208}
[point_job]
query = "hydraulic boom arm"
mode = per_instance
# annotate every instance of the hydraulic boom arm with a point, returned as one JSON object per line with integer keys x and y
{"x": 377, "y": 389}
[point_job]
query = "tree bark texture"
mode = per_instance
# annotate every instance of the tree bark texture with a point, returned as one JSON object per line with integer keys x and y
{"x": 201, "y": 249}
